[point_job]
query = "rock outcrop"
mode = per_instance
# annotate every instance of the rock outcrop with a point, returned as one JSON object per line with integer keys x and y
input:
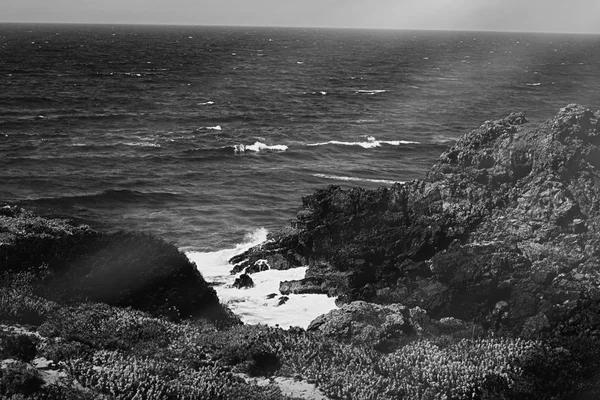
{"x": 503, "y": 231}
{"x": 384, "y": 327}
{"x": 243, "y": 281}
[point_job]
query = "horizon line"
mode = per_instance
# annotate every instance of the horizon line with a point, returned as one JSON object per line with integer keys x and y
{"x": 158, "y": 24}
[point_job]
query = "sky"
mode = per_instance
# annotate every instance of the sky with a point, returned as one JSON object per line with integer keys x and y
{"x": 572, "y": 16}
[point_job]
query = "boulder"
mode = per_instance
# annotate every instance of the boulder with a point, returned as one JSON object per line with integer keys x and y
{"x": 384, "y": 327}
{"x": 301, "y": 286}
{"x": 243, "y": 281}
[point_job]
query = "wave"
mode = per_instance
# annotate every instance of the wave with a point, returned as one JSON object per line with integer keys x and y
{"x": 369, "y": 144}
{"x": 139, "y": 144}
{"x": 534, "y": 84}
{"x": 356, "y": 179}
{"x": 370, "y": 92}
{"x": 236, "y": 149}
{"x": 253, "y": 305}
{"x": 206, "y": 103}
{"x": 111, "y": 196}
{"x": 210, "y": 128}
{"x": 257, "y": 147}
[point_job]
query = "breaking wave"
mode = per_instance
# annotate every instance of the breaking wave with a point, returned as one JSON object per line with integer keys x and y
{"x": 258, "y": 146}
{"x": 370, "y": 143}
{"x": 356, "y": 179}
{"x": 258, "y": 305}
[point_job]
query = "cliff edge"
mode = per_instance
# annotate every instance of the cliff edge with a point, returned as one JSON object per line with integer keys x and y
{"x": 503, "y": 231}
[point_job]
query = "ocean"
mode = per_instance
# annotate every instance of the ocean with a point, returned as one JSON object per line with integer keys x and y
{"x": 209, "y": 136}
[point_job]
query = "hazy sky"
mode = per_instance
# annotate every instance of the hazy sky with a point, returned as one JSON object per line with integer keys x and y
{"x": 582, "y": 16}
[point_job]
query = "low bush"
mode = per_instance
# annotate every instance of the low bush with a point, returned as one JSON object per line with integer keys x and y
{"x": 19, "y": 378}
{"x": 129, "y": 377}
{"x": 17, "y": 346}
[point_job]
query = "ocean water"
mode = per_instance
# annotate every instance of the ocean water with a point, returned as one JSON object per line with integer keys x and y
{"x": 209, "y": 136}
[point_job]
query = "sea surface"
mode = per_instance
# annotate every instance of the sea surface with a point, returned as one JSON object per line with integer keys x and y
{"x": 209, "y": 136}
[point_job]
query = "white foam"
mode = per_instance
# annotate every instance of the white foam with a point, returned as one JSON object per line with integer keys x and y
{"x": 533, "y": 84}
{"x": 214, "y": 128}
{"x": 141, "y": 144}
{"x": 252, "y": 304}
{"x": 206, "y": 103}
{"x": 258, "y": 146}
{"x": 356, "y": 179}
{"x": 369, "y": 144}
{"x": 371, "y": 92}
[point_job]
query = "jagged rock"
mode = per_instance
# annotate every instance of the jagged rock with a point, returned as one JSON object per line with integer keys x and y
{"x": 508, "y": 215}
{"x": 271, "y": 296}
{"x": 385, "y": 327}
{"x": 535, "y": 325}
{"x": 365, "y": 323}
{"x": 282, "y": 300}
{"x": 306, "y": 285}
{"x": 244, "y": 281}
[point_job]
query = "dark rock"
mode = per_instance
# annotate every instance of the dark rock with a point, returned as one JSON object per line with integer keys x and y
{"x": 271, "y": 295}
{"x": 282, "y": 300}
{"x": 244, "y": 281}
{"x": 384, "y": 327}
{"x": 306, "y": 285}
{"x": 535, "y": 325}
{"x": 508, "y": 215}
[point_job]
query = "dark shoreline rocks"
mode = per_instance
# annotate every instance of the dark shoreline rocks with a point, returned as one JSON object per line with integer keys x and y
{"x": 502, "y": 232}
{"x": 243, "y": 281}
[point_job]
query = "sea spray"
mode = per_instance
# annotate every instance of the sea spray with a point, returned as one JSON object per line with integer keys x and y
{"x": 252, "y": 305}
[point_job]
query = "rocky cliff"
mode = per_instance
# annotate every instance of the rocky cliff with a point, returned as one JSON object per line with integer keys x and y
{"x": 503, "y": 231}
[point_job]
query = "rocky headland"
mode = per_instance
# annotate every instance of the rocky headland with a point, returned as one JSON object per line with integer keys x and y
{"x": 502, "y": 232}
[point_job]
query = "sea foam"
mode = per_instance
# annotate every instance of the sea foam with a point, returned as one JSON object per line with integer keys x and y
{"x": 356, "y": 179}
{"x": 258, "y": 146}
{"x": 370, "y": 143}
{"x": 252, "y": 305}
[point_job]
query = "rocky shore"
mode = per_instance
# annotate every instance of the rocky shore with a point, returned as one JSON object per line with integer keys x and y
{"x": 502, "y": 232}
{"x": 478, "y": 282}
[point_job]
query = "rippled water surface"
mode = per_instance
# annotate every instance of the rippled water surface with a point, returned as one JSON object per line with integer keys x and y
{"x": 202, "y": 135}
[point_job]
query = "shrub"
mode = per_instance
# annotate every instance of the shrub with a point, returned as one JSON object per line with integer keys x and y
{"x": 19, "y": 307}
{"x": 18, "y": 346}
{"x": 19, "y": 378}
{"x": 128, "y": 377}
{"x": 100, "y": 326}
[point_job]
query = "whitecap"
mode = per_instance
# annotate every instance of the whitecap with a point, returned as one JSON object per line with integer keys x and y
{"x": 356, "y": 179}
{"x": 214, "y": 128}
{"x": 206, "y": 103}
{"x": 140, "y": 144}
{"x": 251, "y": 304}
{"x": 258, "y": 146}
{"x": 369, "y": 144}
{"x": 371, "y": 92}
{"x": 533, "y": 84}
